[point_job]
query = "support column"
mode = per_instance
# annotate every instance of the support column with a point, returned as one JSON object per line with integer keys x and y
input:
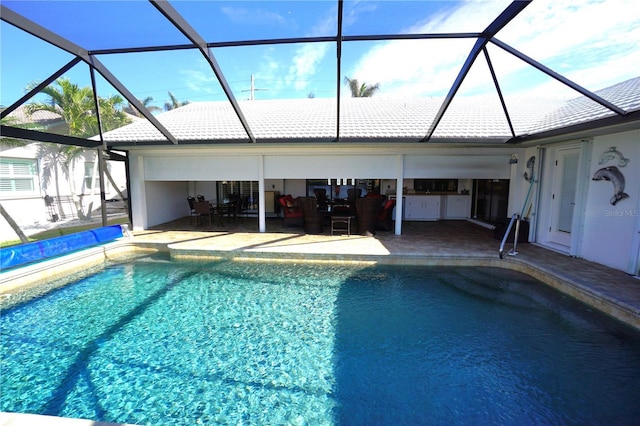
{"x": 103, "y": 205}
{"x": 399, "y": 194}
{"x": 137, "y": 192}
{"x": 262, "y": 211}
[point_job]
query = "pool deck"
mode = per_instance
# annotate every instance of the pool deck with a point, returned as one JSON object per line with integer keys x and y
{"x": 426, "y": 243}
{"x": 458, "y": 243}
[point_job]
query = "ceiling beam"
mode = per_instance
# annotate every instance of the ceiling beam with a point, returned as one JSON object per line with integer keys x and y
{"x": 121, "y": 88}
{"x": 33, "y": 135}
{"x": 42, "y": 33}
{"x": 338, "y": 69}
{"x": 39, "y": 87}
{"x": 559, "y": 77}
{"x": 503, "y": 19}
{"x": 499, "y": 91}
{"x": 292, "y": 40}
{"x": 185, "y": 28}
{"x": 97, "y": 106}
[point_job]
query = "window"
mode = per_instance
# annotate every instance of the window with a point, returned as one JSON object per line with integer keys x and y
{"x": 246, "y": 190}
{"x": 18, "y": 175}
{"x": 438, "y": 185}
{"x": 88, "y": 175}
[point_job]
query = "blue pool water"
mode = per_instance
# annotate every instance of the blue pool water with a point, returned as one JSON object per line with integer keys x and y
{"x": 155, "y": 341}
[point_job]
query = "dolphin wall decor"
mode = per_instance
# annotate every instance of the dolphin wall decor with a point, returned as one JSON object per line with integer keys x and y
{"x": 613, "y": 175}
{"x": 528, "y": 174}
{"x": 613, "y": 154}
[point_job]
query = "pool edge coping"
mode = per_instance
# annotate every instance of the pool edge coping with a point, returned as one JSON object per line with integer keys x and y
{"x": 29, "y": 419}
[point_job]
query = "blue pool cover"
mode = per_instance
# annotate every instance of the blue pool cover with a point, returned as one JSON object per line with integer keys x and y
{"x": 39, "y": 250}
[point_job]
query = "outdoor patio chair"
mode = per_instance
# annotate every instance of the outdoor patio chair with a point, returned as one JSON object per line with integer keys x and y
{"x": 291, "y": 211}
{"x": 192, "y": 210}
{"x": 353, "y": 194}
{"x": 237, "y": 205}
{"x": 366, "y": 210}
{"x": 203, "y": 210}
{"x": 312, "y": 217}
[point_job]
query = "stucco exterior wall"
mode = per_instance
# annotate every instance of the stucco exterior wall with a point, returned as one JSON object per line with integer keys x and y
{"x": 165, "y": 201}
{"x": 605, "y": 229}
{"x": 610, "y": 231}
{"x": 285, "y": 168}
{"x": 28, "y": 209}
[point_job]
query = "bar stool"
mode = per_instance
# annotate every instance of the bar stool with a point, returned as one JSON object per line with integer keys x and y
{"x": 341, "y": 224}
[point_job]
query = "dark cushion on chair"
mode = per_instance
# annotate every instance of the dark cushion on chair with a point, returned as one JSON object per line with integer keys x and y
{"x": 289, "y": 206}
{"x": 386, "y": 210}
{"x": 293, "y": 214}
{"x": 383, "y": 218}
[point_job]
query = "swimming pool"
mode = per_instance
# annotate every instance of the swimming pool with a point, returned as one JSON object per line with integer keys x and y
{"x": 155, "y": 341}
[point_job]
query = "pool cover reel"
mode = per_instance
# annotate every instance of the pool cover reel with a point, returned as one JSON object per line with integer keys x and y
{"x": 32, "y": 252}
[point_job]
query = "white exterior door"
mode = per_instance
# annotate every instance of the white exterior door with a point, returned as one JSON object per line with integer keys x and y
{"x": 563, "y": 197}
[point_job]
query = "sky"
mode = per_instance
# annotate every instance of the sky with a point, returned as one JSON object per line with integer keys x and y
{"x": 593, "y": 43}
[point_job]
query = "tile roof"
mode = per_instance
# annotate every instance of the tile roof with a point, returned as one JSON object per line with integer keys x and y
{"x": 46, "y": 119}
{"x": 480, "y": 120}
{"x": 43, "y": 118}
{"x": 625, "y": 95}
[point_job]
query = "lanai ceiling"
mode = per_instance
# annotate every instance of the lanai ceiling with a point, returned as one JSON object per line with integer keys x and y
{"x": 275, "y": 56}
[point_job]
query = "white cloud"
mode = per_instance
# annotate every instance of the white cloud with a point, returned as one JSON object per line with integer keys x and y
{"x": 595, "y": 43}
{"x": 252, "y": 16}
{"x": 270, "y": 71}
{"x": 305, "y": 64}
{"x": 201, "y": 79}
{"x": 416, "y": 67}
{"x": 583, "y": 38}
{"x": 424, "y": 67}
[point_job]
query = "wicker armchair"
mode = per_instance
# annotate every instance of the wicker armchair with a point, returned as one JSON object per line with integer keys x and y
{"x": 291, "y": 210}
{"x": 311, "y": 215}
{"x": 353, "y": 194}
{"x": 366, "y": 211}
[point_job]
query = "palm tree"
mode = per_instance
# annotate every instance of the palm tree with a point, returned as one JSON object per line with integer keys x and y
{"x": 361, "y": 90}
{"x": 112, "y": 116}
{"x": 174, "y": 103}
{"x": 73, "y": 103}
{"x": 146, "y": 102}
{"x": 77, "y": 108}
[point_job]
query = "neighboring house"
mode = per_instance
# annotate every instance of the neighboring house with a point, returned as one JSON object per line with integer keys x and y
{"x": 584, "y": 201}
{"x": 46, "y": 121}
{"x": 24, "y": 191}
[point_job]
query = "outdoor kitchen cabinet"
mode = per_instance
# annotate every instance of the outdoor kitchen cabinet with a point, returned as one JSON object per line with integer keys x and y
{"x": 455, "y": 206}
{"x": 422, "y": 207}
